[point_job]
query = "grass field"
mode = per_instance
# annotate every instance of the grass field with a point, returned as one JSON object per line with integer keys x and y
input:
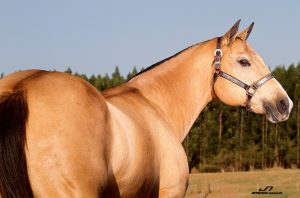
{"x": 242, "y": 184}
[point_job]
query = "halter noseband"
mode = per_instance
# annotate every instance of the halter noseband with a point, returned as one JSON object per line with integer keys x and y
{"x": 250, "y": 89}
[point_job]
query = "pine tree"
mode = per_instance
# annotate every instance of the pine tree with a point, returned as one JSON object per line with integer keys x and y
{"x": 132, "y": 73}
{"x": 117, "y": 79}
{"x": 69, "y": 71}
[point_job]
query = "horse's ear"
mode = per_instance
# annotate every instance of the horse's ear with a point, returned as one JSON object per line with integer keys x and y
{"x": 245, "y": 34}
{"x": 231, "y": 34}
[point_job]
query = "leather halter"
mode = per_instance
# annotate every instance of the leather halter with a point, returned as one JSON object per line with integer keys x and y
{"x": 250, "y": 89}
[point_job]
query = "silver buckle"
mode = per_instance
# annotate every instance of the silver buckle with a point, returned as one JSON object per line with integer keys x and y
{"x": 218, "y": 51}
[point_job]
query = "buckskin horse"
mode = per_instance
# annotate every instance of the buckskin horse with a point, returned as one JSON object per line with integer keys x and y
{"x": 60, "y": 137}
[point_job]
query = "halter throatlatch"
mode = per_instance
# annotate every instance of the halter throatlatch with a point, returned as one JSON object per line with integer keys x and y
{"x": 250, "y": 89}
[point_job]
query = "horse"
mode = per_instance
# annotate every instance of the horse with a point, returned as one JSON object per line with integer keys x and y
{"x": 61, "y": 137}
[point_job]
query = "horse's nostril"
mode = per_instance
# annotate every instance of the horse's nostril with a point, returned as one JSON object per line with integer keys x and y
{"x": 282, "y": 106}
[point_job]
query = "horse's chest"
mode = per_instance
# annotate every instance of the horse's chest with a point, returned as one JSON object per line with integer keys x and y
{"x": 136, "y": 171}
{"x": 139, "y": 181}
{"x": 141, "y": 187}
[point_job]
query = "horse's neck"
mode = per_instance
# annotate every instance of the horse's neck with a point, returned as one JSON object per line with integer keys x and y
{"x": 180, "y": 87}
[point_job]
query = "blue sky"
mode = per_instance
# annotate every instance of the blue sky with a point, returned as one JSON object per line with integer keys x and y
{"x": 95, "y": 36}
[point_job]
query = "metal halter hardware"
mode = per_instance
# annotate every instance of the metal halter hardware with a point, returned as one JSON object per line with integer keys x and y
{"x": 250, "y": 89}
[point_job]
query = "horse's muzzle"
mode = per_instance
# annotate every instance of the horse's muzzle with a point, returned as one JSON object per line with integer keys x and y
{"x": 279, "y": 112}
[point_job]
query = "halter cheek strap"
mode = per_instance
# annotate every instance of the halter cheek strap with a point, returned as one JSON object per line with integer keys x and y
{"x": 250, "y": 89}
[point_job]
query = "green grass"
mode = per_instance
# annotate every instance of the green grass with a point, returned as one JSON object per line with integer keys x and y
{"x": 241, "y": 184}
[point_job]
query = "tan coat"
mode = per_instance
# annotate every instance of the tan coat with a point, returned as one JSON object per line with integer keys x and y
{"x": 126, "y": 141}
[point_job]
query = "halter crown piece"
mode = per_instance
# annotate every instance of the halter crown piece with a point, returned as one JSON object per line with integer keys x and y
{"x": 250, "y": 89}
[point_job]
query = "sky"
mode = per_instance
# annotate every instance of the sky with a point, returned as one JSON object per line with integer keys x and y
{"x": 93, "y": 37}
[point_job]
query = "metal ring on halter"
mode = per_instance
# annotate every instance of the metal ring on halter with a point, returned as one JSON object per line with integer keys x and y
{"x": 218, "y": 51}
{"x": 251, "y": 90}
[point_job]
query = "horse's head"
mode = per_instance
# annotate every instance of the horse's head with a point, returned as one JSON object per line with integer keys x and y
{"x": 242, "y": 63}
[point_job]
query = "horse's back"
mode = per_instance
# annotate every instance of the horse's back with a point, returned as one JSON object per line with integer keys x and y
{"x": 9, "y": 82}
{"x": 66, "y": 133}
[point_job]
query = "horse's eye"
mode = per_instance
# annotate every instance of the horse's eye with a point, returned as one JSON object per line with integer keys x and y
{"x": 244, "y": 62}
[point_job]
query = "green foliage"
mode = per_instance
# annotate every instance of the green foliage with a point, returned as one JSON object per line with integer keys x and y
{"x": 209, "y": 169}
{"x": 116, "y": 78}
{"x": 247, "y": 141}
{"x": 106, "y": 81}
{"x": 132, "y": 73}
{"x": 69, "y": 71}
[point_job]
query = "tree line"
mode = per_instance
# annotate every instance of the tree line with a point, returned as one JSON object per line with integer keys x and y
{"x": 231, "y": 139}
